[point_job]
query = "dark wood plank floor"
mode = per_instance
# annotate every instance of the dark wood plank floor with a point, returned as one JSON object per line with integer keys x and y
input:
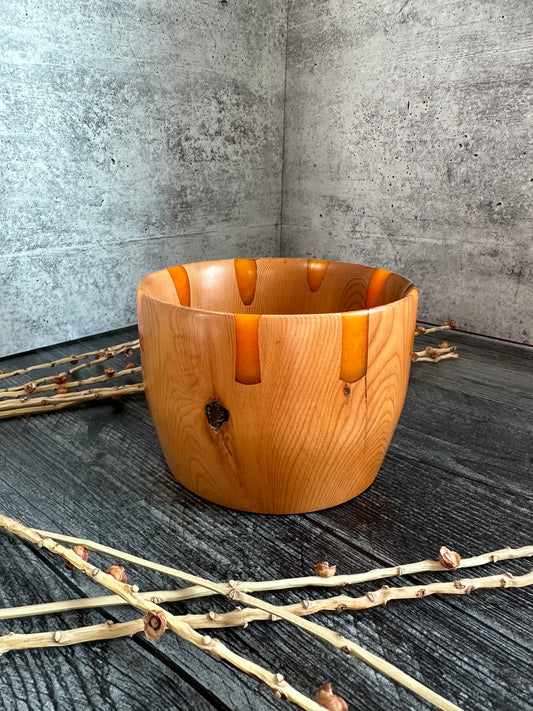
{"x": 458, "y": 473}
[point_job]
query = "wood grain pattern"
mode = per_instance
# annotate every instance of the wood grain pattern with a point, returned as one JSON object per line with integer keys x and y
{"x": 390, "y": 339}
{"x": 457, "y": 472}
{"x": 300, "y": 410}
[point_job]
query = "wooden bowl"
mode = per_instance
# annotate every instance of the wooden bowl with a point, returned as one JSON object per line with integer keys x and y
{"x": 276, "y": 384}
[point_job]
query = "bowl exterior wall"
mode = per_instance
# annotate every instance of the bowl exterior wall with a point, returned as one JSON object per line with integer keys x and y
{"x": 286, "y": 432}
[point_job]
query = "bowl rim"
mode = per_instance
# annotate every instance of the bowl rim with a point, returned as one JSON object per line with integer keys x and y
{"x": 372, "y": 309}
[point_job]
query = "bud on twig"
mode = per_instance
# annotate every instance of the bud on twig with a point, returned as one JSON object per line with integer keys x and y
{"x": 449, "y": 559}
{"x": 80, "y": 551}
{"x": 117, "y": 571}
{"x": 325, "y": 570}
{"x": 326, "y": 698}
{"x": 155, "y": 624}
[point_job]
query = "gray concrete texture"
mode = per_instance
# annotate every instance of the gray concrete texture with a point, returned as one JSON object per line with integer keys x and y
{"x": 406, "y": 148}
{"x": 135, "y": 134}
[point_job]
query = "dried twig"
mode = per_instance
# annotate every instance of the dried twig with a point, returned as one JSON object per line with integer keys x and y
{"x": 422, "y": 566}
{"x": 93, "y": 633}
{"x": 447, "y": 325}
{"x": 58, "y": 402}
{"x": 31, "y": 386}
{"x": 25, "y": 398}
{"x": 72, "y": 384}
{"x": 130, "y": 594}
{"x": 433, "y": 355}
{"x": 266, "y": 585}
{"x": 415, "y": 358}
{"x": 242, "y": 617}
{"x": 230, "y": 590}
{"x": 122, "y": 347}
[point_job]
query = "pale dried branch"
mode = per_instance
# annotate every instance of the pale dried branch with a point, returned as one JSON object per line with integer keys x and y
{"x": 62, "y": 638}
{"x": 433, "y": 355}
{"x": 129, "y": 593}
{"x": 446, "y": 326}
{"x": 428, "y": 359}
{"x": 31, "y": 386}
{"x": 430, "y": 354}
{"x": 242, "y": 617}
{"x": 422, "y": 566}
{"x": 72, "y": 384}
{"x": 229, "y": 590}
{"x": 58, "y": 402}
{"x": 122, "y": 347}
{"x": 267, "y": 585}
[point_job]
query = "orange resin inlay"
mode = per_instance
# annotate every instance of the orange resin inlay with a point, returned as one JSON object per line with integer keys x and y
{"x": 246, "y": 275}
{"x": 181, "y": 283}
{"x": 354, "y": 346}
{"x": 373, "y": 290}
{"x": 316, "y": 271}
{"x": 247, "y": 366}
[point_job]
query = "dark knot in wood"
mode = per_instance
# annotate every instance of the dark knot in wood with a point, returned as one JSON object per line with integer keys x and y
{"x": 216, "y": 414}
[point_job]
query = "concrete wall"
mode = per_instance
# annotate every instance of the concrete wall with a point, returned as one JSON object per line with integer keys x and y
{"x": 406, "y": 138}
{"x": 134, "y": 134}
{"x": 140, "y": 133}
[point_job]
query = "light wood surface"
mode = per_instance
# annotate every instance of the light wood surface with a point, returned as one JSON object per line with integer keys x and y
{"x": 310, "y": 383}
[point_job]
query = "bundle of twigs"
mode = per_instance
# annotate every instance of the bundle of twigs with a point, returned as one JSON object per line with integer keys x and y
{"x": 26, "y": 398}
{"x": 156, "y": 619}
{"x": 430, "y": 354}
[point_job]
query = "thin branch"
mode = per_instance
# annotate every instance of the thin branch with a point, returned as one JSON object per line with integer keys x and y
{"x": 446, "y": 326}
{"x": 433, "y": 355}
{"x": 422, "y": 566}
{"x": 270, "y": 585}
{"x": 129, "y": 593}
{"x": 72, "y": 384}
{"x": 242, "y": 617}
{"x": 69, "y": 359}
{"x": 428, "y": 359}
{"x": 87, "y": 603}
{"x": 58, "y": 402}
{"x": 93, "y": 633}
{"x": 230, "y": 591}
{"x": 67, "y": 373}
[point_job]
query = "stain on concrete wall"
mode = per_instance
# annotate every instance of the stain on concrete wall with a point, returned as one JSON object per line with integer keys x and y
{"x": 406, "y": 138}
{"x": 134, "y": 134}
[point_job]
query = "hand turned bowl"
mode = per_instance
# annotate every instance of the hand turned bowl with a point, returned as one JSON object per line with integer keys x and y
{"x": 275, "y": 385}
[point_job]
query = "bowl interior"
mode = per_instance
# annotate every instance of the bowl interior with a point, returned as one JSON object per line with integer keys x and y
{"x": 276, "y": 286}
